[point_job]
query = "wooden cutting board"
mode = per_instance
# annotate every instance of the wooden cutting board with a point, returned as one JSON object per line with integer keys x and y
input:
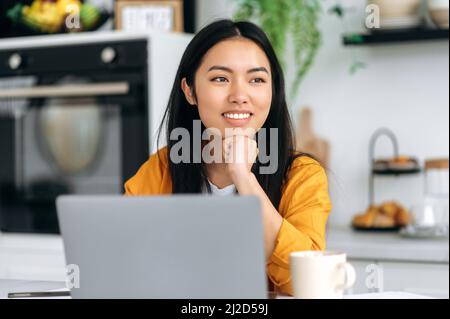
{"x": 308, "y": 141}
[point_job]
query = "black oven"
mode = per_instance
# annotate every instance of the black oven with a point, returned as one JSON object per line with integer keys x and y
{"x": 73, "y": 120}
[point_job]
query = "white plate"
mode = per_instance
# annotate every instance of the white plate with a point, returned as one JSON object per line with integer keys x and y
{"x": 400, "y": 22}
{"x": 424, "y": 232}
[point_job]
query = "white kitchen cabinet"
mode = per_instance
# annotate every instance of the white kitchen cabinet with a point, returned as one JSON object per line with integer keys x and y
{"x": 395, "y": 263}
{"x": 32, "y": 265}
{"x": 32, "y": 257}
{"x": 418, "y": 278}
{"x": 361, "y": 275}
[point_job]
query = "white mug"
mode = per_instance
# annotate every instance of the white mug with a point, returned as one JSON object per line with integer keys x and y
{"x": 320, "y": 274}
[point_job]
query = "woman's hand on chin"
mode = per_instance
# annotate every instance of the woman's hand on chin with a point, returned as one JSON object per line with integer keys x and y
{"x": 239, "y": 153}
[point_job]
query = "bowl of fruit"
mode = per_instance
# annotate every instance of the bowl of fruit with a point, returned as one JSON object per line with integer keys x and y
{"x": 57, "y": 16}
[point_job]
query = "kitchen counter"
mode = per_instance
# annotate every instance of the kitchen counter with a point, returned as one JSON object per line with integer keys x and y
{"x": 357, "y": 245}
{"x": 19, "y": 241}
{"x": 387, "y": 246}
{"x": 76, "y": 38}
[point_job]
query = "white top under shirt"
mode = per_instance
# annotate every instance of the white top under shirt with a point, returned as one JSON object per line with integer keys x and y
{"x": 226, "y": 191}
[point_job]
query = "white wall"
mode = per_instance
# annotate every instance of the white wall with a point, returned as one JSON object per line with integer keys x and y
{"x": 404, "y": 87}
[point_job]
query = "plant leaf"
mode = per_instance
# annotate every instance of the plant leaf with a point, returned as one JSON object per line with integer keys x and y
{"x": 298, "y": 18}
{"x": 356, "y": 66}
{"x": 337, "y": 10}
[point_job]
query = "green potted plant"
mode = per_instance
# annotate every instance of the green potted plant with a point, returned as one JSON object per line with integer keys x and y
{"x": 280, "y": 18}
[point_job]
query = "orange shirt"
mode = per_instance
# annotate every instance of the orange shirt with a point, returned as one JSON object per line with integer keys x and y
{"x": 304, "y": 206}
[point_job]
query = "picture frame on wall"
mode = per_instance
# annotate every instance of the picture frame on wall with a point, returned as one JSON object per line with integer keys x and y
{"x": 149, "y": 15}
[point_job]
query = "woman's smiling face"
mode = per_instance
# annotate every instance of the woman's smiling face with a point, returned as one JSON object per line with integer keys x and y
{"x": 233, "y": 86}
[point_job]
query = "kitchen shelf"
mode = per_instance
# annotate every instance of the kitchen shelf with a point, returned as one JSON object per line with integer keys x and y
{"x": 396, "y": 172}
{"x": 395, "y": 36}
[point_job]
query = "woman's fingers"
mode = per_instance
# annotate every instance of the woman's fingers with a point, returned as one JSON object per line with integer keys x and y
{"x": 240, "y": 149}
{"x": 249, "y": 132}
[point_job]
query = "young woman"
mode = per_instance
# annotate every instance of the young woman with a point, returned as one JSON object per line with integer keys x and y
{"x": 229, "y": 77}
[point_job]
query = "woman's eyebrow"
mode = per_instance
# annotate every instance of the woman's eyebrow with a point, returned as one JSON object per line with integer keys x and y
{"x": 227, "y": 69}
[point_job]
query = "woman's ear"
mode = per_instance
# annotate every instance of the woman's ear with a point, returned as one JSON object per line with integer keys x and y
{"x": 187, "y": 92}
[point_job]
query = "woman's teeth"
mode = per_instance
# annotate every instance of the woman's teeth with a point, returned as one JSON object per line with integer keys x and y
{"x": 237, "y": 116}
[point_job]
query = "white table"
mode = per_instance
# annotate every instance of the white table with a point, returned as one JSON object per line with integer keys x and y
{"x": 9, "y": 285}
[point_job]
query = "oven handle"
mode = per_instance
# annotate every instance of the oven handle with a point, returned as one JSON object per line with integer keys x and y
{"x": 45, "y": 91}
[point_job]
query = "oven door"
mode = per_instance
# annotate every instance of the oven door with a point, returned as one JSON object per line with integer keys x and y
{"x": 72, "y": 134}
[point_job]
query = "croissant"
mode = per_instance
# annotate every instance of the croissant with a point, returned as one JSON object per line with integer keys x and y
{"x": 387, "y": 215}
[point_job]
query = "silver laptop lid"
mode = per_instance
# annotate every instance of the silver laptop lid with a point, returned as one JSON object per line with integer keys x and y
{"x": 164, "y": 246}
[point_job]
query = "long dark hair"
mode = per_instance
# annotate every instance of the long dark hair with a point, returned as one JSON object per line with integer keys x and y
{"x": 191, "y": 177}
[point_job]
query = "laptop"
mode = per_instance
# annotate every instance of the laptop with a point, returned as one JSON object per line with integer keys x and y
{"x": 178, "y": 247}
